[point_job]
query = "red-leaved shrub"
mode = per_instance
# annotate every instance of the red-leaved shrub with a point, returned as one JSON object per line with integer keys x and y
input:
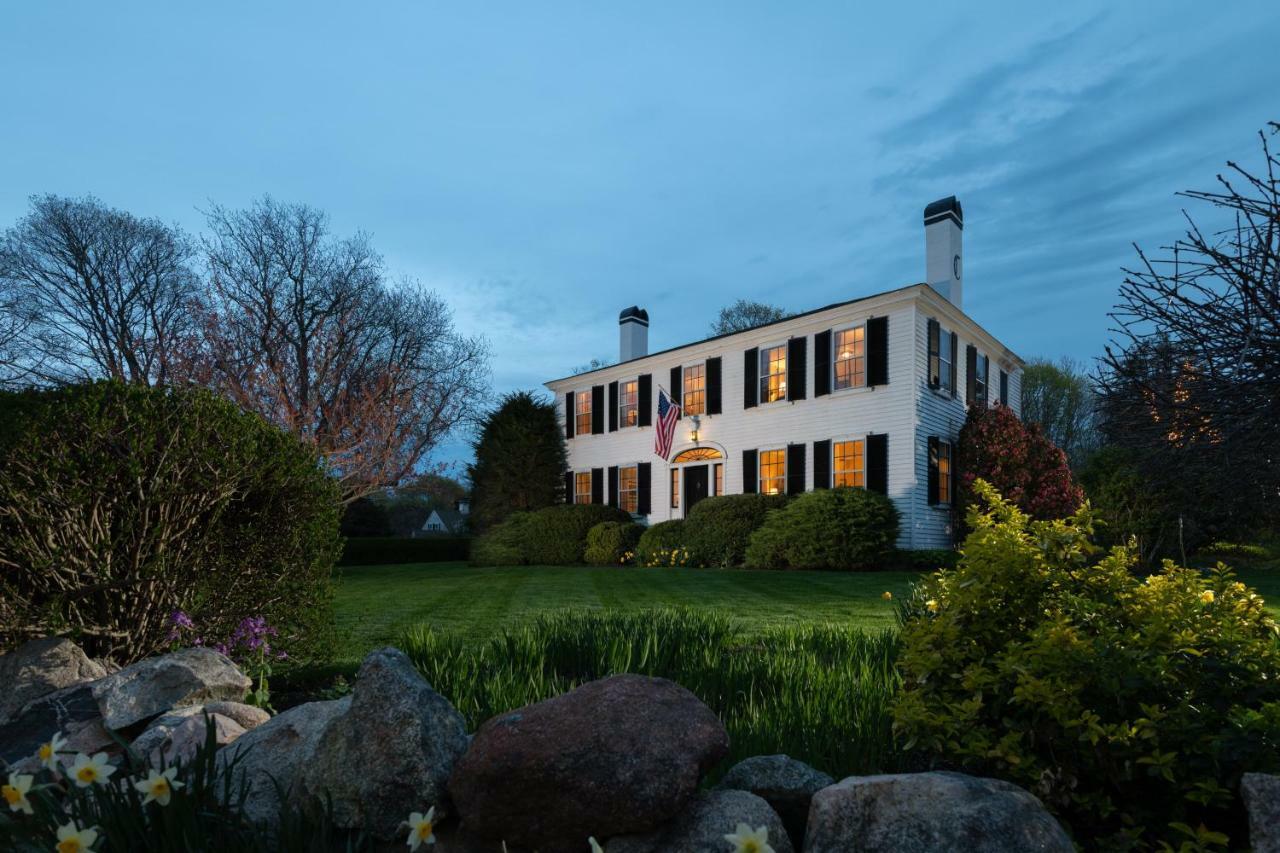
{"x": 1018, "y": 460}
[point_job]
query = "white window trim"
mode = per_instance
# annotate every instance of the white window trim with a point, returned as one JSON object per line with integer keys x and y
{"x": 985, "y": 395}
{"x": 835, "y": 357}
{"x": 759, "y": 460}
{"x": 761, "y": 376}
{"x": 832, "y": 457}
{"x": 944, "y": 361}
{"x": 622, "y": 384}
{"x": 576, "y": 475}
{"x": 590, "y": 412}
{"x": 951, "y": 473}
{"x": 621, "y": 468}
{"x": 685, "y": 367}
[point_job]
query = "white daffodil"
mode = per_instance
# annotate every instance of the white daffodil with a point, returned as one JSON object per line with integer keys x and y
{"x": 159, "y": 786}
{"x": 48, "y": 752}
{"x": 15, "y": 793}
{"x": 72, "y": 839}
{"x": 88, "y": 771}
{"x": 595, "y": 845}
{"x": 748, "y": 840}
{"x": 420, "y": 828}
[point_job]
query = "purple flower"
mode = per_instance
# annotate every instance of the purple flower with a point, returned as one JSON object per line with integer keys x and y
{"x": 181, "y": 620}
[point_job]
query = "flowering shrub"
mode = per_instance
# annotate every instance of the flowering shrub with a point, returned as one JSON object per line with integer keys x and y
{"x": 1018, "y": 460}
{"x": 249, "y": 646}
{"x": 659, "y": 541}
{"x": 1131, "y": 706}
{"x": 612, "y": 543}
{"x": 844, "y": 529}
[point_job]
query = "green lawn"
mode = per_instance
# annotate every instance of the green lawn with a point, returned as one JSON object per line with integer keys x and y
{"x": 376, "y": 603}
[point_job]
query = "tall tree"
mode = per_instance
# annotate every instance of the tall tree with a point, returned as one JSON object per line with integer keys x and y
{"x": 305, "y": 330}
{"x": 1060, "y": 398}
{"x": 745, "y": 314}
{"x": 90, "y": 291}
{"x": 520, "y": 460}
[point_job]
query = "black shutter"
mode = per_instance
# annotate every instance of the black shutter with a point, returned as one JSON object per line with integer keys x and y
{"x": 1004, "y": 388}
{"x": 877, "y": 463}
{"x": 569, "y": 414}
{"x": 797, "y": 369}
{"x": 822, "y": 363}
{"x": 795, "y": 469}
{"x": 568, "y": 487}
{"x": 878, "y": 351}
{"x": 677, "y": 387}
{"x": 955, "y": 363}
{"x": 597, "y": 409}
{"x": 970, "y": 374}
{"x": 822, "y": 463}
{"x": 597, "y": 485}
{"x": 933, "y": 470}
{"x": 644, "y": 399}
{"x": 935, "y": 363}
{"x": 750, "y": 377}
{"x": 613, "y": 485}
{"x": 613, "y": 407}
{"x": 713, "y": 386}
{"x": 750, "y": 472}
{"x": 644, "y": 488}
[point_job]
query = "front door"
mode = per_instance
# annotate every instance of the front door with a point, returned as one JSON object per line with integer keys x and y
{"x": 695, "y": 486}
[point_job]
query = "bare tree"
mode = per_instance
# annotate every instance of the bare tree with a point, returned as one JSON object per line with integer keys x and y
{"x": 90, "y": 291}
{"x": 745, "y": 314}
{"x": 305, "y": 330}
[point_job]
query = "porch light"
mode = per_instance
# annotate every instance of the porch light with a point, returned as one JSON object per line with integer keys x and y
{"x": 697, "y": 425}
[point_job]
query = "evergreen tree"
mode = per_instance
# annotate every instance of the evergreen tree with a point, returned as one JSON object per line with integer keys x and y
{"x": 520, "y": 460}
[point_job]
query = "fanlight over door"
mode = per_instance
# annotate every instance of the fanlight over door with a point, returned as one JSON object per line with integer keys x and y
{"x": 697, "y": 454}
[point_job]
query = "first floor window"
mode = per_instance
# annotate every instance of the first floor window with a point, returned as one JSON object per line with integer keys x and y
{"x": 773, "y": 374}
{"x": 582, "y": 413}
{"x": 851, "y": 358}
{"x": 675, "y": 488}
{"x": 944, "y": 472}
{"x": 582, "y": 487}
{"x": 944, "y": 360}
{"x": 628, "y": 403}
{"x": 719, "y": 479}
{"x": 848, "y": 464}
{"x": 773, "y": 472}
{"x": 628, "y": 489}
{"x": 695, "y": 390}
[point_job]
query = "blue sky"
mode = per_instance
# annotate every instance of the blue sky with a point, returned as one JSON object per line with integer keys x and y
{"x": 545, "y": 165}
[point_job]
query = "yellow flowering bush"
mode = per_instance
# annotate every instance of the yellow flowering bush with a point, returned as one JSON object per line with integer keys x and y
{"x": 1131, "y": 706}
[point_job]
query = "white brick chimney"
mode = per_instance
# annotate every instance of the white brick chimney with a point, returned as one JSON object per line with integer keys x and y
{"x": 633, "y": 333}
{"x": 944, "y": 253}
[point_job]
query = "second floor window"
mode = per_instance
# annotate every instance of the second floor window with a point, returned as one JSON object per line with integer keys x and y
{"x": 944, "y": 359}
{"x": 848, "y": 467}
{"x": 980, "y": 391}
{"x": 628, "y": 489}
{"x": 582, "y": 487}
{"x": 695, "y": 390}
{"x": 851, "y": 358}
{"x": 773, "y": 472}
{"x": 773, "y": 374}
{"x": 628, "y": 399}
{"x": 582, "y": 413}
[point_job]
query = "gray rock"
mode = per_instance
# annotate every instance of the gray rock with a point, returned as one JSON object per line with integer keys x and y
{"x": 391, "y": 753}
{"x": 39, "y": 720}
{"x": 918, "y": 812}
{"x": 784, "y": 783}
{"x": 176, "y": 737}
{"x": 39, "y": 668}
{"x": 1261, "y": 793}
{"x": 248, "y": 716}
{"x": 155, "y": 685}
{"x": 704, "y": 823}
{"x": 275, "y": 753}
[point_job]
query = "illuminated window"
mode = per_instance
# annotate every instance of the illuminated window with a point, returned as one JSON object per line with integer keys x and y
{"x": 773, "y": 374}
{"x": 628, "y": 399}
{"x": 675, "y": 488}
{"x": 697, "y": 454}
{"x": 848, "y": 464}
{"x": 944, "y": 359}
{"x": 944, "y": 472}
{"x": 773, "y": 472}
{"x": 582, "y": 487}
{"x": 582, "y": 413}
{"x": 851, "y": 358}
{"x": 695, "y": 390}
{"x": 719, "y": 479}
{"x": 628, "y": 489}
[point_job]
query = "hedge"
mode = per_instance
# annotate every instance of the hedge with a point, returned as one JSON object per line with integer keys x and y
{"x": 719, "y": 529}
{"x": 383, "y": 550}
{"x": 612, "y": 543}
{"x": 552, "y": 536}
{"x": 845, "y": 529}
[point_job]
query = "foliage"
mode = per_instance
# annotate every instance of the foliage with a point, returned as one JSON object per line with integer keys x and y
{"x": 612, "y": 543}
{"x": 1018, "y": 460}
{"x": 659, "y": 541}
{"x": 1060, "y": 398}
{"x": 1126, "y": 704}
{"x": 818, "y": 693}
{"x": 365, "y": 517}
{"x": 552, "y": 536}
{"x": 520, "y": 460}
{"x": 503, "y": 545}
{"x": 844, "y": 529}
{"x": 745, "y": 314}
{"x": 381, "y": 550}
{"x": 120, "y": 504}
{"x": 1129, "y": 507}
{"x": 718, "y": 529}
{"x": 924, "y": 559}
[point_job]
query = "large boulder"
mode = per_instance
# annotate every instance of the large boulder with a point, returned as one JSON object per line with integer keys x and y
{"x": 176, "y": 737}
{"x": 704, "y": 823}
{"x": 784, "y": 783}
{"x": 150, "y": 687}
{"x": 40, "y": 667}
{"x": 22, "y": 735}
{"x": 391, "y": 753}
{"x": 919, "y": 812}
{"x": 1261, "y": 793}
{"x": 273, "y": 754}
{"x": 616, "y": 756}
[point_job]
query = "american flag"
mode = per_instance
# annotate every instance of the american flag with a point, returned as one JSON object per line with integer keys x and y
{"x": 668, "y": 412}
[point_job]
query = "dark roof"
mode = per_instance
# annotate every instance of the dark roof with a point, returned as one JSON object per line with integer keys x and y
{"x": 948, "y": 206}
{"x": 634, "y": 311}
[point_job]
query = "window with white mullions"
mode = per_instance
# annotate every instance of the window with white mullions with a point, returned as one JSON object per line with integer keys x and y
{"x": 628, "y": 403}
{"x": 582, "y": 413}
{"x": 582, "y": 486}
{"x": 695, "y": 390}
{"x": 850, "y": 358}
{"x": 628, "y": 489}
{"x": 773, "y": 472}
{"x": 773, "y": 374}
{"x": 848, "y": 464}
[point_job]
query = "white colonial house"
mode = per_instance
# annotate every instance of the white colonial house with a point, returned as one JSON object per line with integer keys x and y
{"x": 869, "y": 393}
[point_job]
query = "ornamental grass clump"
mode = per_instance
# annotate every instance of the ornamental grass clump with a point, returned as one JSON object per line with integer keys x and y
{"x": 1130, "y": 705}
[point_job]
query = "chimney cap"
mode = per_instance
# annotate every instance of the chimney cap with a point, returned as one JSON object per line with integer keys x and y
{"x": 944, "y": 208}
{"x": 635, "y": 313}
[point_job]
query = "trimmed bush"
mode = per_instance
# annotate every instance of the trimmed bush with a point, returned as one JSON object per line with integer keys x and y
{"x": 659, "y": 541}
{"x": 385, "y": 550}
{"x": 1130, "y": 705}
{"x": 120, "y": 504}
{"x": 553, "y": 536}
{"x": 719, "y": 529}
{"x": 845, "y": 529}
{"x": 503, "y": 544}
{"x": 612, "y": 543}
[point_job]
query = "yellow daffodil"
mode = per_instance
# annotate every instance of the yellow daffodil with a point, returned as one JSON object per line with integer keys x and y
{"x": 48, "y": 752}
{"x": 1207, "y": 596}
{"x": 15, "y": 793}
{"x": 420, "y": 828}
{"x": 159, "y": 786}
{"x": 748, "y": 840}
{"x": 88, "y": 771}
{"x": 931, "y": 605}
{"x": 72, "y": 839}
{"x": 886, "y": 595}
{"x": 595, "y": 845}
